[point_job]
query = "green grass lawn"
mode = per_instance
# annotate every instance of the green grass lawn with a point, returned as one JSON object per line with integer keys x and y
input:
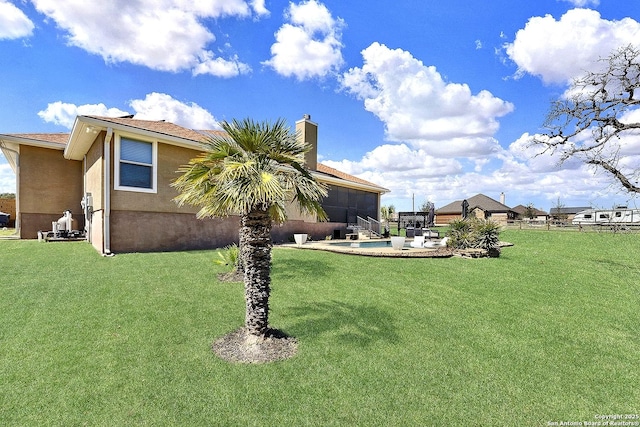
{"x": 4, "y": 231}
{"x": 550, "y": 331}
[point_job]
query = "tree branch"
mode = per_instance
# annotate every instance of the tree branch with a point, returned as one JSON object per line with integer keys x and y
{"x": 617, "y": 174}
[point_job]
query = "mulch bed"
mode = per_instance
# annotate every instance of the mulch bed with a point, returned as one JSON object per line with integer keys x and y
{"x": 241, "y": 347}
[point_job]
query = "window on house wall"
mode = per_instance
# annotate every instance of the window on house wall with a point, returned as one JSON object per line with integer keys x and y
{"x": 135, "y": 166}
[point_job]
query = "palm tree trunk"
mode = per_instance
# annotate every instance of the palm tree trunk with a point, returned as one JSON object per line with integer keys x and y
{"x": 255, "y": 247}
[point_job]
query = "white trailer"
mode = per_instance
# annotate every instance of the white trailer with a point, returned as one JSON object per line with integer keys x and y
{"x": 620, "y": 215}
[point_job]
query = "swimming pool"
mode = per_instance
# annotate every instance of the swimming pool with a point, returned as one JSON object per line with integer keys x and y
{"x": 367, "y": 244}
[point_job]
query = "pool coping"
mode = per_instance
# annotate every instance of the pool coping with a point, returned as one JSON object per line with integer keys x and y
{"x": 386, "y": 252}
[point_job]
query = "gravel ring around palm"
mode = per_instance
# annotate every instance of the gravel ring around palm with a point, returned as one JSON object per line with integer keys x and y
{"x": 241, "y": 347}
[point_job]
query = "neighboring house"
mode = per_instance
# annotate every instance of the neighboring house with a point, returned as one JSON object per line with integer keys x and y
{"x": 538, "y": 215}
{"x": 565, "y": 215}
{"x": 8, "y": 206}
{"x": 122, "y": 169}
{"x": 479, "y": 206}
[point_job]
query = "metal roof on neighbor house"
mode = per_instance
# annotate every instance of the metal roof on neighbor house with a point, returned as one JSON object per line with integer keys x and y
{"x": 567, "y": 211}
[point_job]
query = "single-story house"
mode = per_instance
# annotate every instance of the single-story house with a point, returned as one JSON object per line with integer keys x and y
{"x": 114, "y": 174}
{"x": 480, "y": 206}
{"x": 538, "y": 215}
{"x": 566, "y": 214}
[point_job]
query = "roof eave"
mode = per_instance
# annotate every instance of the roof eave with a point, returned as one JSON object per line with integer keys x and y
{"x": 86, "y": 128}
{"x": 18, "y": 140}
{"x": 328, "y": 179}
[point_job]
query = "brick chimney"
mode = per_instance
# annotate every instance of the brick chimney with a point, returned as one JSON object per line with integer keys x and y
{"x": 308, "y": 131}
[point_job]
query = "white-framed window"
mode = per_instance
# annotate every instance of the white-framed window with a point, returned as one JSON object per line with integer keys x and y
{"x": 135, "y": 166}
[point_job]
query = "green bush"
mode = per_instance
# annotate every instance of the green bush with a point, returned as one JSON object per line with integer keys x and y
{"x": 487, "y": 234}
{"x": 229, "y": 255}
{"x": 460, "y": 234}
{"x": 475, "y": 233}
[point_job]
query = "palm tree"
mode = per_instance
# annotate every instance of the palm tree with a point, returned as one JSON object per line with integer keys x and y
{"x": 253, "y": 170}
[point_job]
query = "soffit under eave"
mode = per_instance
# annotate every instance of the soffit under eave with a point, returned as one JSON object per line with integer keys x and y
{"x": 82, "y": 137}
{"x": 10, "y": 152}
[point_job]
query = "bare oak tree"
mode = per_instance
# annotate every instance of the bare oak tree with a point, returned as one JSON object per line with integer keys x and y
{"x": 589, "y": 121}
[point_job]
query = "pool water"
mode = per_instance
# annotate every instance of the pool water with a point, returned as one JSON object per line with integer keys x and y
{"x": 368, "y": 244}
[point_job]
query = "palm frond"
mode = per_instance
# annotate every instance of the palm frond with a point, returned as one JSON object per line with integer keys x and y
{"x": 252, "y": 164}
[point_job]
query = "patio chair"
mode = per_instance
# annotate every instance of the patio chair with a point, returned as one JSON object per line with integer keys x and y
{"x": 418, "y": 242}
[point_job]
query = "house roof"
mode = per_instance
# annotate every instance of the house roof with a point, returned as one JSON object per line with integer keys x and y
{"x": 58, "y": 138}
{"x": 47, "y": 140}
{"x": 481, "y": 201}
{"x": 521, "y": 210}
{"x": 326, "y": 170}
{"x": 567, "y": 211}
{"x": 86, "y": 128}
{"x": 10, "y": 144}
{"x": 158, "y": 126}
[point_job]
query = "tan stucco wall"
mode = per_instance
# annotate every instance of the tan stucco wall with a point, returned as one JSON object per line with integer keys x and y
{"x": 95, "y": 235}
{"x": 293, "y": 214}
{"x": 49, "y": 185}
{"x": 94, "y": 176}
{"x": 94, "y": 181}
{"x": 170, "y": 158}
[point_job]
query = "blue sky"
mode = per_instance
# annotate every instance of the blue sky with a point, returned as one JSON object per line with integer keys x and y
{"x": 433, "y": 100}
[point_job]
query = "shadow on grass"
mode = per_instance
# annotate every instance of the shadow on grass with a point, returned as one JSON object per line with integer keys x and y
{"x": 349, "y": 324}
{"x": 614, "y": 264}
{"x": 300, "y": 268}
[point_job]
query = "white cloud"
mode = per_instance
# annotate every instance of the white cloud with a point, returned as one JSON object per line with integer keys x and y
{"x": 155, "y": 106}
{"x": 559, "y": 50}
{"x": 630, "y": 140}
{"x": 7, "y": 177}
{"x": 160, "y": 106}
{"x": 64, "y": 114}
{"x": 517, "y": 171}
{"x": 166, "y": 35}
{"x": 259, "y": 8}
{"x": 14, "y": 23}
{"x": 310, "y": 44}
{"x": 583, "y": 3}
{"x": 220, "y": 67}
{"x": 418, "y": 107}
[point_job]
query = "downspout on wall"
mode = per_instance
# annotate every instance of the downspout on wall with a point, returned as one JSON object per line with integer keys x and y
{"x": 17, "y": 171}
{"x": 88, "y": 217}
{"x": 106, "y": 232}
